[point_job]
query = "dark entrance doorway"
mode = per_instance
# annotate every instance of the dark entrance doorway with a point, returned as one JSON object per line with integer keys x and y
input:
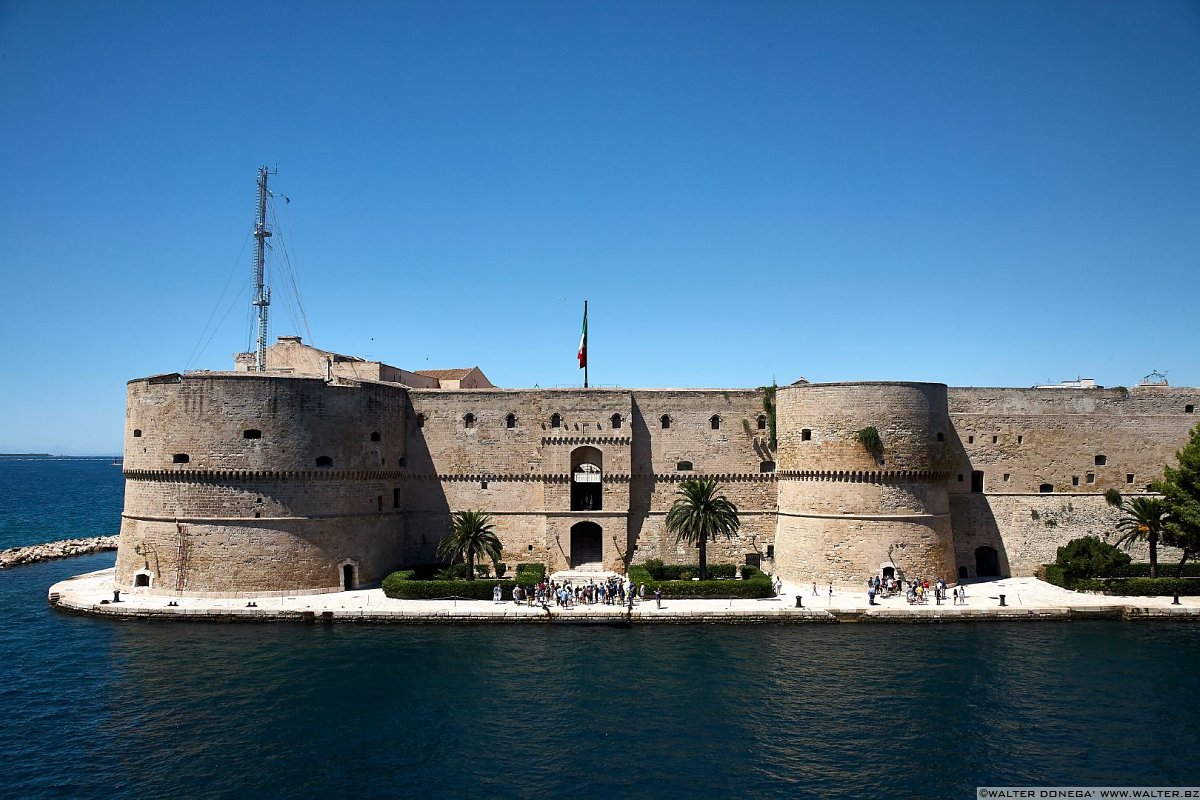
{"x": 141, "y": 579}
{"x": 962, "y": 573}
{"x": 347, "y": 577}
{"x": 587, "y": 470}
{"x": 889, "y": 573}
{"x": 587, "y": 545}
{"x": 987, "y": 562}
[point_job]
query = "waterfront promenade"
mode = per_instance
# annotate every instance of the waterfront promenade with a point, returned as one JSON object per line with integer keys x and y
{"x": 1025, "y": 599}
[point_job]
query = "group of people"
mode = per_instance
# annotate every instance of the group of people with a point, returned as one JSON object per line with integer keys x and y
{"x": 916, "y": 592}
{"x": 612, "y": 591}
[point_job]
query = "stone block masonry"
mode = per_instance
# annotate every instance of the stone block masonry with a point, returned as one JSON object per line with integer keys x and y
{"x": 284, "y": 483}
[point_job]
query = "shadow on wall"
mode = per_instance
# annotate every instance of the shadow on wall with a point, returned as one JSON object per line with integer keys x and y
{"x": 978, "y": 546}
{"x": 641, "y": 482}
{"x": 427, "y": 510}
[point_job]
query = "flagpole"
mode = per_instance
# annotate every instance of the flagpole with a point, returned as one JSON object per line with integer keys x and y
{"x": 585, "y": 360}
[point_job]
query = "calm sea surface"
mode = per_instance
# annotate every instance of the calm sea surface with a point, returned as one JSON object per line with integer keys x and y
{"x": 146, "y": 710}
{"x": 47, "y": 498}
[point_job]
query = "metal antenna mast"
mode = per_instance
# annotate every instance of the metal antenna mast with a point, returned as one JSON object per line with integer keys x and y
{"x": 262, "y": 294}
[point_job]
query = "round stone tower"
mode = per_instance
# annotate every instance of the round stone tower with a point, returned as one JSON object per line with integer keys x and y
{"x": 240, "y": 483}
{"x": 862, "y": 476}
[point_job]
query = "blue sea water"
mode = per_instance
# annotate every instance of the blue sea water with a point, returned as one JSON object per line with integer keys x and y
{"x": 45, "y": 498}
{"x": 102, "y": 709}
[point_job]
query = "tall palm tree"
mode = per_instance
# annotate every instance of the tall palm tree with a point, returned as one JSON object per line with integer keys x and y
{"x": 1145, "y": 518}
{"x": 471, "y": 535}
{"x": 700, "y": 514}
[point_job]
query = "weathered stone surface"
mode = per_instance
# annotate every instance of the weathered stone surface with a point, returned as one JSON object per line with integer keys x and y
{"x": 284, "y": 484}
{"x": 15, "y": 556}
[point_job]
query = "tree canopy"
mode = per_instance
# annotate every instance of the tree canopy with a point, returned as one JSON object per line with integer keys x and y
{"x": 700, "y": 514}
{"x": 1180, "y": 490}
{"x": 471, "y": 535}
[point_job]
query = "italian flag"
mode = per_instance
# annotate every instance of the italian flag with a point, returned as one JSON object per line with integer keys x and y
{"x": 582, "y": 354}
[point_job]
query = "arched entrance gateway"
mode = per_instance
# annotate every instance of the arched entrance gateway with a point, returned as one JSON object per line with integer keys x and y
{"x": 987, "y": 562}
{"x": 587, "y": 471}
{"x": 587, "y": 545}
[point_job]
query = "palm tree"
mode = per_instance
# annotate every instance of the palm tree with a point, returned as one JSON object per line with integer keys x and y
{"x": 701, "y": 514}
{"x": 1145, "y": 518}
{"x": 471, "y": 535}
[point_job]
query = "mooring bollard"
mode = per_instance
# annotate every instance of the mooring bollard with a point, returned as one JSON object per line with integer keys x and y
{"x": 799, "y": 601}
{"x": 116, "y": 595}
{"x": 1175, "y": 602}
{"x": 1002, "y": 600}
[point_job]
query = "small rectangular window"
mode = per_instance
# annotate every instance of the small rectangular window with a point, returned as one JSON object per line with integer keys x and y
{"x": 1006, "y": 477}
{"x": 1091, "y": 477}
{"x": 970, "y": 440}
{"x": 1101, "y": 461}
{"x": 395, "y": 498}
{"x": 806, "y": 435}
{"x": 1020, "y": 439}
{"x": 770, "y": 551}
{"x": 995, "y": 439}
{"x": 1129, "y": 478}
{"x": 1074, "y": 480}
{"x": 483, "y": 484}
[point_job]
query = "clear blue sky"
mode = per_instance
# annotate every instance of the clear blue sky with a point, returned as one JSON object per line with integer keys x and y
{"x": 979, "y": 193}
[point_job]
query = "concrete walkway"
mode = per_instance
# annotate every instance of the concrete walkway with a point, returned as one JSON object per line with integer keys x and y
{"x": 1026, "y": 599}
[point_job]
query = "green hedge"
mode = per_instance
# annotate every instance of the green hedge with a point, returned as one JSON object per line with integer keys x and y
{"x": 685, "y": 572}
{"x": 1166, "y": 569}
{"x": 1140, "y": 587}
{"x": 758, "y": 585}
{"x": 530, "y": 574}
{"x": 400, "y": 586}
{"x": 1126, "y": 587}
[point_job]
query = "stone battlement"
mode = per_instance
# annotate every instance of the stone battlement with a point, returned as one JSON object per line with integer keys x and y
{"x": 277, "y": 482}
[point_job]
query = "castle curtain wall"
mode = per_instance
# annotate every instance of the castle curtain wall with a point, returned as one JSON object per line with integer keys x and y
{"x": 259, "y": 483}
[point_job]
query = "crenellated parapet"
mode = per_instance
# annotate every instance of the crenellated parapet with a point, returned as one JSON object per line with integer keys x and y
{"x": 245, "y": 482}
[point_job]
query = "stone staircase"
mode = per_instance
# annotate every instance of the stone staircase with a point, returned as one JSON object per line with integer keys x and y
{"x": 583, "y": 574}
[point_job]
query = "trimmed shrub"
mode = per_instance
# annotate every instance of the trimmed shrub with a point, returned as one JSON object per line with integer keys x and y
{"x": 501, "y": 568}
{"x": 1149, "y": 587}
{"x": 530, "y": 574}
{"x": 1054, "y": 574}
{"x": 1126, "y": 587}
{"x": 1166, "y": 569}
{"x": 749, "y": 571}
{"x": 756, "y": 586}
{"x": 401, "y": 588}
{"x": 454, "y": 572}
{"x": 685, "y": 572}
{"x": 1088, "y": 557}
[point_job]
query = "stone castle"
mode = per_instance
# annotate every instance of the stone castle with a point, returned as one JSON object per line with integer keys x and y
{"x": 326, "y": 472}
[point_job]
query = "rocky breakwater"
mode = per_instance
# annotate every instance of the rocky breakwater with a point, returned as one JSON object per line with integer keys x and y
{"x": 15, "y": 556}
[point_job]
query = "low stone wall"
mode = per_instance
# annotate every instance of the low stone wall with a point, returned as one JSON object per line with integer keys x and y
{"x": 15, "y": 556}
